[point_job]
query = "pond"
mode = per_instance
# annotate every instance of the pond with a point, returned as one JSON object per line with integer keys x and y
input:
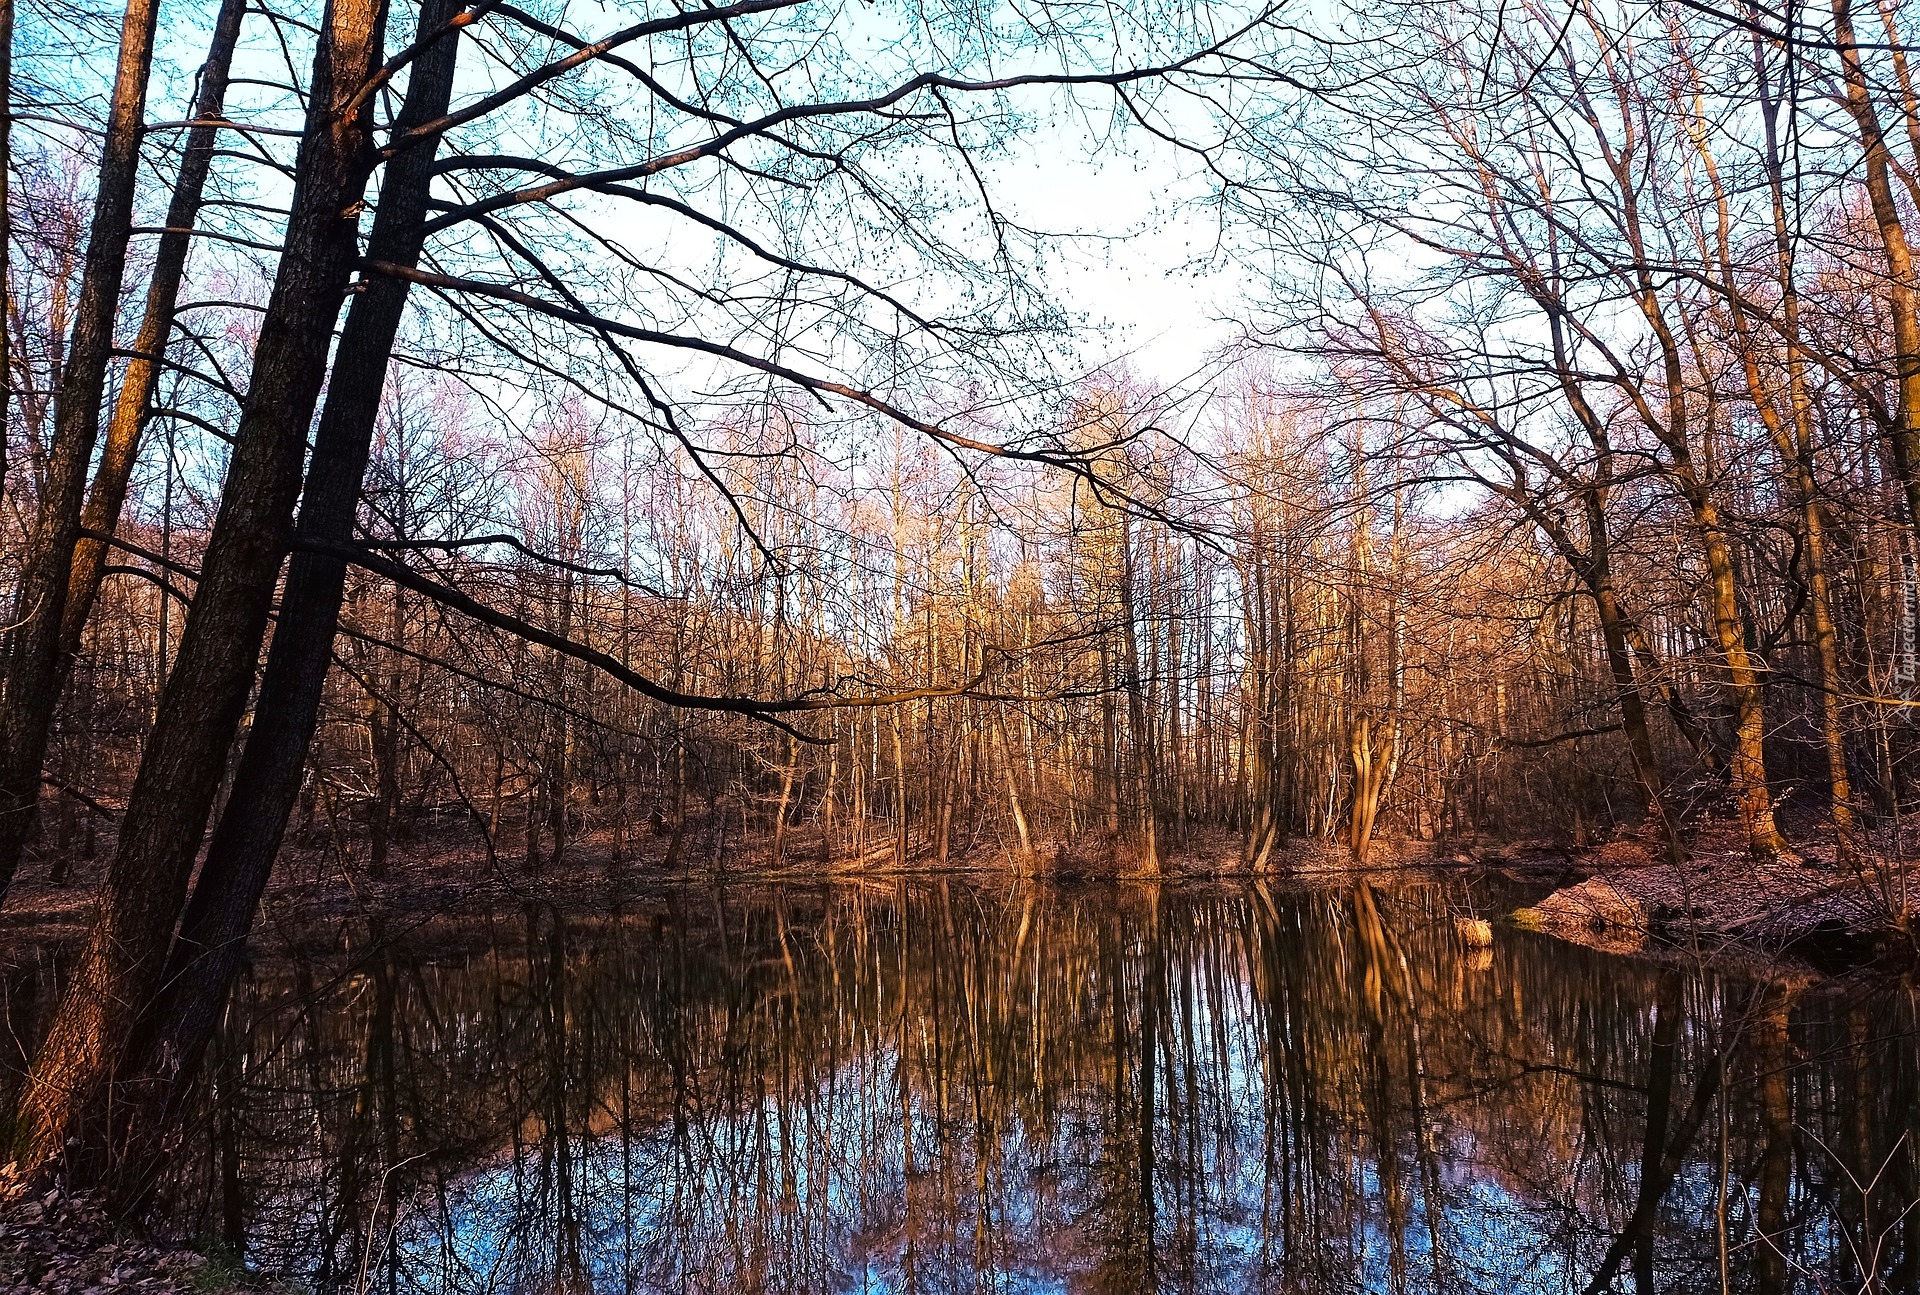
{"x": 940, "y": 1086}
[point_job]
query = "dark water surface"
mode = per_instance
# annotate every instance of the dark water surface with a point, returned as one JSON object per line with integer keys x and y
{"x": 946, "y": 1087}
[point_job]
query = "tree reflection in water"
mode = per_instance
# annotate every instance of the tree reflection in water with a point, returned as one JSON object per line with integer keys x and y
{"x": 937, "y": 1087}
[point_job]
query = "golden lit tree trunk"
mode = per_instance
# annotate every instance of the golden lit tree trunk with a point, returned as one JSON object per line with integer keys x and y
{"x": 31, "y": 650}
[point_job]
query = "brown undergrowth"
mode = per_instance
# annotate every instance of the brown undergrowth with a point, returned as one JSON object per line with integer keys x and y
{"x": 437, "y": 871}
{"x": 55, "y": 1244}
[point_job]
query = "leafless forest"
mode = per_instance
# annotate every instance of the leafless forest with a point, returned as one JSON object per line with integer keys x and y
{"x": 658, "y": 437}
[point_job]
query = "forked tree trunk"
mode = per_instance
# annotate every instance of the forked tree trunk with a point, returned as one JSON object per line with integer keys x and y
{"x": 33, "y": 668}
{"x": 1375, "y": 758}
{"x": 65, "y": 1117}
{"x": 1748, "y": 764}
{"x": 213, "y": 932}
{"x": 1825, "y": 635}
{"x": 1792, "y": 436}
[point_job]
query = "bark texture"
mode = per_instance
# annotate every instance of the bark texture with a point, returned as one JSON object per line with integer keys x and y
{"x": 67, "y": 1109}
{"x": 213, "y": 932}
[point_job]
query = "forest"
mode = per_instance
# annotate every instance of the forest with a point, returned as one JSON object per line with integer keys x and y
{"x": 459, "y": 443}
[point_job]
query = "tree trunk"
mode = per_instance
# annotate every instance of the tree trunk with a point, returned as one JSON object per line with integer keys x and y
{"x": 899, "y": 796}
{"x": 1144, "y": 772}
{"x": 1792, "y": 437}
{"x": 33, "y": 668}
{"x": 1374, "y": 762}
{"x": 130, "y": 407}
{"x": 1901, "y": 304}
{"x": 1748, "y": 765}
{"x": 383, "y": 732}
{"x": 6, "y": 240}
{"x": 120, "y": 967}
{"x": 1825, "y": 637}
{"x": 213, "y": 932}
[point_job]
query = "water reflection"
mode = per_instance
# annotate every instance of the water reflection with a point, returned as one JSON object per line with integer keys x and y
{"x": 937, "y": 1087}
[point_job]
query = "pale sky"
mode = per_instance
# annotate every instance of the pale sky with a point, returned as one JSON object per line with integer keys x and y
{"x": 1134, "y": 284}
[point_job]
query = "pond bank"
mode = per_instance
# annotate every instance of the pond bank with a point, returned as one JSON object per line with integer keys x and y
{"x": 1807, "y": 905}
{"x": 1619, "y": 896}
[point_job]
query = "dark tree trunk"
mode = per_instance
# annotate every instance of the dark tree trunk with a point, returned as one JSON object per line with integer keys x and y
{"x": 120, "y": 967}
{"x": 213, "y": 932}
{"x": 32, "y": 652}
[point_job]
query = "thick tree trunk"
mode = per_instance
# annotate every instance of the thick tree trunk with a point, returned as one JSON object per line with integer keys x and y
{"x": 1793, "y": 436}
{"x": 1375, "y": 758}
{"x": 65, "y": 1116}
{"x": 32, "y": 652}
{"x": 1748, "y": 765}
{"x": 213, "y": 933}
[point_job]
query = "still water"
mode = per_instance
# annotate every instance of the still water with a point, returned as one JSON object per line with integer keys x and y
{"x": 944, "y": 1087}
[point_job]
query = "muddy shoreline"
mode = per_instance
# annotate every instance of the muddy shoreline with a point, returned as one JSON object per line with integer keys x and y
{"x": 1622, "y": 896}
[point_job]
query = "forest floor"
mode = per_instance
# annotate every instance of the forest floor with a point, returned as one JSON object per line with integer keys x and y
{"x": 52, "y": 1244}
{"x": 1812, "y": 904}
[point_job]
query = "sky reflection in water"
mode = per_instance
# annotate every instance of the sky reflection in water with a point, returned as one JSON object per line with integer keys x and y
{"x": 945, "y": 1088}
